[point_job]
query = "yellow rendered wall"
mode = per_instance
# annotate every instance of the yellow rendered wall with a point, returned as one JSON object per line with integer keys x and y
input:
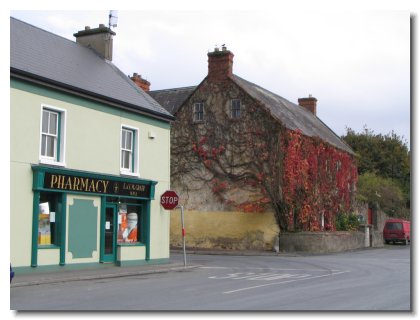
{"x": 224, "y": 230}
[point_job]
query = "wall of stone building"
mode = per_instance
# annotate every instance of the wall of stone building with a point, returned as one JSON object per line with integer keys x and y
{"x": 224, "y": 230}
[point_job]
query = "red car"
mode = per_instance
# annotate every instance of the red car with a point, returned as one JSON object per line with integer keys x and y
{"x": 397, "y": 230}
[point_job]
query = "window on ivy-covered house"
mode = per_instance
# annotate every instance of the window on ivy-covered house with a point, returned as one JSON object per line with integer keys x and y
{"x": 198, "y": 112}
{"x": 235, "y": 108}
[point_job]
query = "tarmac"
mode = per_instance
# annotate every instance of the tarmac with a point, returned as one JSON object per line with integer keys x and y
{"x": 60, "y": 274}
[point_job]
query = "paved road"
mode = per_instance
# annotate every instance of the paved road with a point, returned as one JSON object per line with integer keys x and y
{"x": 376, "y": 279}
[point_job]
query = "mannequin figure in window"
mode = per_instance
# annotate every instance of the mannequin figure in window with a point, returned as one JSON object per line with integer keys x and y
{"x": 130, "y": 234}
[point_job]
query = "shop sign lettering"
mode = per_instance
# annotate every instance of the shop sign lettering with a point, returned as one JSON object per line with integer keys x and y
{"x": 93, "y": 185}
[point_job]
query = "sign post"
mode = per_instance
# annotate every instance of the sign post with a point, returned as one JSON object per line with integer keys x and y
{"x": 183, "y": 235}
{"x": 169, "y": 201}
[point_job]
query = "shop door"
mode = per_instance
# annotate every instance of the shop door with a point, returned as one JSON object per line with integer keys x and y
{"x": 109, "y": 231}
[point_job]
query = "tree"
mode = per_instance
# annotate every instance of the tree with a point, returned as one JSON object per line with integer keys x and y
{"x": 382, "y": 156}
{"x": 385, "y": 192}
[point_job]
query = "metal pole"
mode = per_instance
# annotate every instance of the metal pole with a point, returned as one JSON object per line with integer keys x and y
{"x": 183, "y": 235}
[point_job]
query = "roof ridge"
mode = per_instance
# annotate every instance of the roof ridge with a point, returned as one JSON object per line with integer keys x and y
{"x": 172, "y": 89}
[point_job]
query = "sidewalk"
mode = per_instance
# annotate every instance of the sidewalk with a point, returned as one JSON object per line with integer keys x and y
{"x": 100, "y": 271}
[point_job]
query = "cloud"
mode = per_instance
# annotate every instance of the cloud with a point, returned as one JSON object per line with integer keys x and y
{"x": 356, "y": 63}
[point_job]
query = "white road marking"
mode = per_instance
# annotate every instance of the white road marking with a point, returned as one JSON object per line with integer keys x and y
{"x": 282, "y": 282}
{"x": 258, "y": 276}
{"x": 270, "y": 269}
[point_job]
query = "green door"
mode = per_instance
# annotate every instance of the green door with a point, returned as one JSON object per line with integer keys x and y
{"x": 109, "y": 247}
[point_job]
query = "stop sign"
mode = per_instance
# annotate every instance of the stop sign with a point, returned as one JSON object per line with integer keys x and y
{"x": 169, "y": 200}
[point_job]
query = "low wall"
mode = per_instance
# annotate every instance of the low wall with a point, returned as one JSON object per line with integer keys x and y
{"x": 224, "y": 230}
{"x": 326, "y": 242}
{"x": 321, "y": 242}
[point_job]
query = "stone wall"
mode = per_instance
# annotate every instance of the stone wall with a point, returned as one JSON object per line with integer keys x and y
{"x": 321, "y": 242}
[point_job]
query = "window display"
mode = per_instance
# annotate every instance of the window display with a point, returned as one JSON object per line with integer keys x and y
{"x": 127, "y": 224}
{"x": 48, "y": 217}
{"x": 44, "y": 230}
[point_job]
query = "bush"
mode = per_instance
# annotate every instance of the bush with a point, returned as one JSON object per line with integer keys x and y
{"x": 346, "y": 222}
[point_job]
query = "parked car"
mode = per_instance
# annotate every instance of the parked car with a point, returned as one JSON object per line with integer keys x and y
{"x": 397, "y": 230}
{"x": 12, "y": 273}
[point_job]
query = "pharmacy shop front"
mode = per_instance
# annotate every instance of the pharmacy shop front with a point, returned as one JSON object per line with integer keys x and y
{"x": 87, "y": 218}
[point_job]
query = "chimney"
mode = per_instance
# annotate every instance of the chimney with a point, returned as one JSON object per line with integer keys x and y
{"x": 99, "y": 39}
{"x": 140, "y": 82}
{"x": 308, "y": 103}
{"x": 220, "y": 64}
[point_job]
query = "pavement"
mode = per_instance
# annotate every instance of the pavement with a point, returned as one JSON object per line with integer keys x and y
{"x": 100, "y": 271}
{"x": 59, "y": 274}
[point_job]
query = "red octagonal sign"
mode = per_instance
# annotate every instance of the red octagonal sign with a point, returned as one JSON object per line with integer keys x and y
{"x": 169, "y": 200}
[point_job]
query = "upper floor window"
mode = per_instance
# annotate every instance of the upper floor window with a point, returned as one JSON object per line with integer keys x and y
{"x": 198, "y": 111}
{"x": 52, "y": 135}
{"x": 235, "y": 108}
{"x": 128, "y": 150}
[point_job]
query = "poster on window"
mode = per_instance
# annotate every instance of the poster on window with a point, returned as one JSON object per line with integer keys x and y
{"x": 127, "y": 225}
{"x": 44, "y": 228}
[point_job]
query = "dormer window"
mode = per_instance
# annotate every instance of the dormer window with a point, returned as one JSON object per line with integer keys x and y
{"x": 198, "y": 112}
{"x": 235, "y": 108}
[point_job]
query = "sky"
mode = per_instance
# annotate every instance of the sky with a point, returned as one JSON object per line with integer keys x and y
{"x": 355, "y": 61}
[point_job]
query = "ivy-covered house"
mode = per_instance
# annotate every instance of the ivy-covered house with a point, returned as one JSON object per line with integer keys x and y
{"x": 248, "y": 163}
{"x": 89, "y": 155}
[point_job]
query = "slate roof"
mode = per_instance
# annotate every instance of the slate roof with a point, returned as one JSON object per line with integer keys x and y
{"x": 291, "y": 115}
{"x": 172, "y": 99}
{"x": 39, "y": 55}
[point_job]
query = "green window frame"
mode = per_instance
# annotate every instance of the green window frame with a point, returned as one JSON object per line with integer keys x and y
{"x": 50, "y": 219}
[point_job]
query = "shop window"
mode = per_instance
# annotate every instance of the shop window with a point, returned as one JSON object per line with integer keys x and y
{"x": 130, "y": 224}
{"x": 52, "y": 135}
{"x": 49, "y": 218}
{"x": 128, "y": 151}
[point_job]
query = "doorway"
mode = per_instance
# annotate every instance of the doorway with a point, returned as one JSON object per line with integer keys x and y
{"x": 109, "y": 249}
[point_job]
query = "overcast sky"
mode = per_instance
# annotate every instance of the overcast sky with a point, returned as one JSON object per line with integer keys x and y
{"x": 355, "y": 62}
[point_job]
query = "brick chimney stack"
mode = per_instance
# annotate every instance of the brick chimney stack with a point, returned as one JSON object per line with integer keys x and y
{"x": 99, "y": 39}
{"x": 140, "y": 82}
{"x": 220, "y": 64}
{"x": 308, "y": 103}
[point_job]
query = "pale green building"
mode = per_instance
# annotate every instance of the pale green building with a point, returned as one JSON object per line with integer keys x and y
{"x": 89, "y": 155}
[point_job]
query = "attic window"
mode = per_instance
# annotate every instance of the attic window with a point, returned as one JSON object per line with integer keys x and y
{"x": 198, "y": 113}
{"x": 235, "y": 108}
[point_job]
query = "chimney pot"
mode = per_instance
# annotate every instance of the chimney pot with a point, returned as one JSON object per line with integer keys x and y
{"x": 308, "y": 103}
{"x": 140, "y": 82}
{"x": 93, "y": 38}
{"x": 220, "y": 65}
